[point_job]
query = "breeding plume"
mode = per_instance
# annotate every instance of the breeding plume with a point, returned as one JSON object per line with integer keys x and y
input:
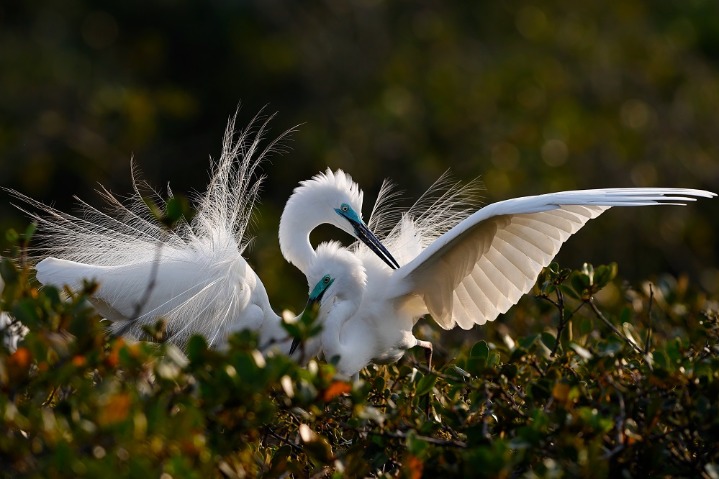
{"x": 194, "y": 276}
{"x": 466, "y": 275}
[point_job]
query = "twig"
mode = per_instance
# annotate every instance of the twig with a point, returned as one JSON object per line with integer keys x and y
{"x": 562, "y": 321}
{"x": 612, "y": 327}
{"x": 284, "y": 440}
{"x": 151, "y": 283}
{"x": 121, "y": 331}
{"x": 648, "y": 339}
{"x": 435, "y": 372}
{"x": 431, "y": 440}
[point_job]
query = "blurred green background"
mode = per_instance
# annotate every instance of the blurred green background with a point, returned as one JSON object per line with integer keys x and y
{"x": 533, "y": 96}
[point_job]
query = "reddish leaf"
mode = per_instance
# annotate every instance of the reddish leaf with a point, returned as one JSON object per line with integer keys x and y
{"x": 335, "y": 389}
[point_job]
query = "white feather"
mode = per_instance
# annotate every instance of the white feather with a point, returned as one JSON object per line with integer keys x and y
{"x": 501, "y": 249}
{"x": 463, "y": 269}
{"x": 194, "y": 275}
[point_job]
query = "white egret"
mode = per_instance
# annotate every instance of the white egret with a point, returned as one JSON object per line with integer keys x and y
{"x": 464, "y": 277}
{"x": 11, "y": 332}
{"x": 193, "y": 276}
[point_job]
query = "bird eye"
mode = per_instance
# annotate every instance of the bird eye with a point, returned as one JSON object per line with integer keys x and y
{"x": 345, "y": 207}
{"x": 326, "y": 279}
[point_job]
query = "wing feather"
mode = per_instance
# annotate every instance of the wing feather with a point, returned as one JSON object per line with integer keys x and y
{"x": 463, "y": 304}
{"x": 479, "y": 295}
{"x": 481, "y": 267}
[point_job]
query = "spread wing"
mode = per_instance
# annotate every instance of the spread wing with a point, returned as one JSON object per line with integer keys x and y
{"x": 482, "y": 266}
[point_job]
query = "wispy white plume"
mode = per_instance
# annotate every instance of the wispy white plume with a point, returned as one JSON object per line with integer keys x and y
{"x": 208, "y": 248}
{"x": 407, "y": 231}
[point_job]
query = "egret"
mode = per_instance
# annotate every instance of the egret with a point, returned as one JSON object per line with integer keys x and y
{"x": 464, "y": 277}
{"x": 194, "y": 276}
{"x": 11, "y": 332}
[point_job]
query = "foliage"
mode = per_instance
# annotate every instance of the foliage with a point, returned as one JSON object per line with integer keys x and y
{"x": 633, "y": 389}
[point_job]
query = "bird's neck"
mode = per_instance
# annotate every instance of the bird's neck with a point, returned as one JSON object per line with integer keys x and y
{"x": 300, "y": 216}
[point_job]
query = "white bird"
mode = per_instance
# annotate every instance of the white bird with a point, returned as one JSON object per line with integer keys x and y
{"x": 193, "y": 276}
{"x": 464, "y": 277}
{"x": 11, "y": 331}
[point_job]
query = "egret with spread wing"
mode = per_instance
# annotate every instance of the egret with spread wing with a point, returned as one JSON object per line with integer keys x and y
{"x": 194, "y": 276}
{"x": 464, "y": 277}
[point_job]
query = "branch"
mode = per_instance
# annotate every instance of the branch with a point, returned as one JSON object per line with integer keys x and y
{"x": 612, "y": 327}
{"x": 431, "y": 440}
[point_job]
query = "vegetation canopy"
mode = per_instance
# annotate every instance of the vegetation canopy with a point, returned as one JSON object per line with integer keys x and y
{"x": 625, "y": 384}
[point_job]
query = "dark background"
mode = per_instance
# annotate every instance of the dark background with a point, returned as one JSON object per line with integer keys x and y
{"x": 533, "y": 96}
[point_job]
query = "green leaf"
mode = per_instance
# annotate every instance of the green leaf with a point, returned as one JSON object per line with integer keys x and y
{"x": 480, "y": 350}
{"x": 315, "y": 445}
{"x": 549, "y": 340}
{"x": 527, "y": 341}
{"x": 604, "y": 274}
{"x": 492, "y": 359}
{"x": 415, "y": 445}
{"x": 196, "y": 348}
{"x": 29, "y": 232}
{"x": 569, "y": 291}
{"x": 580, "y": 283}
{"x": 11, "y": 236}
{"x": 426, "y": 384}
{"x": 8, "y": 271}
{"x": 176, "y": 208}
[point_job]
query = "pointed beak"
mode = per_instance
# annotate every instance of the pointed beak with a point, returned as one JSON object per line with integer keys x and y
{"x": 312, "y": 307}
{"x": 293, "y": 347}
{"x": 373, "y": 243}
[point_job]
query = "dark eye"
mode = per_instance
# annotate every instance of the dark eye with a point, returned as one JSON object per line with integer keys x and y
{"x": 326, "y": 279}
{"x": 345, "y": 208}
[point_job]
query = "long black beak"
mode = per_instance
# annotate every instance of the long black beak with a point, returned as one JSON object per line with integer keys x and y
{"x": 374, "y": 244}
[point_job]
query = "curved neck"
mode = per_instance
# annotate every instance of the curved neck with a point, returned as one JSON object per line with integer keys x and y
{"x": 300, "y": 216}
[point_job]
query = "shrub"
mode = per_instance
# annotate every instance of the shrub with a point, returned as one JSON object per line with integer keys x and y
{"x": 591, "y": 388}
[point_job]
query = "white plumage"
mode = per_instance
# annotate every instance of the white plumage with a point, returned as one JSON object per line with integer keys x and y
{"x": 11, "y": 331}
{"x": 193, "y": 276}
{"x": 468, "y": 275}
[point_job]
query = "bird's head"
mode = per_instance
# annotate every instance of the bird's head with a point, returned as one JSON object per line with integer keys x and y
{"x": 336, "y": 275}
{"x": 336, "y": 281}
{"x": 333, "y": 198}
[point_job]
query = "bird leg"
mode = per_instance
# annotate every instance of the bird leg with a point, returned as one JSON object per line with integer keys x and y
{"x": 428, "y": 351}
